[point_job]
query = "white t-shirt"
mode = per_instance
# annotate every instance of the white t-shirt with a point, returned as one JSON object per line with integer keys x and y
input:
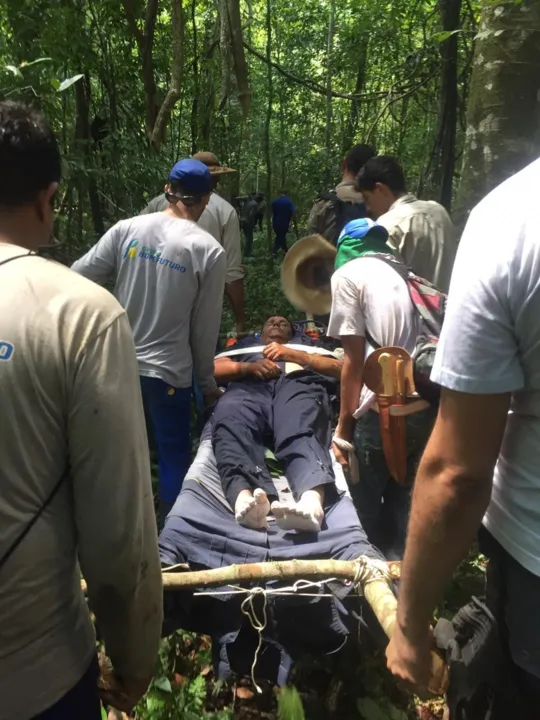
{"x": 490, "y": 343}
{"x": 169, "y": 276}
{"x": 369, "y": 295}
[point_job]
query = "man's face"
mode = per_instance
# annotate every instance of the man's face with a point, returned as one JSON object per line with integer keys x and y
{"x": 378, "y": 200}
{"x": 277, "y": 329}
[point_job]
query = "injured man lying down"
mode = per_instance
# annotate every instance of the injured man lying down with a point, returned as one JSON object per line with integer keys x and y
{"x": 278, "y": 396}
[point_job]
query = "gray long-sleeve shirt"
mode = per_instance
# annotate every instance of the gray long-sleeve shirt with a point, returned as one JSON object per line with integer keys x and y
{"x": 220, "y": 219}
{"x": 71, "y": 398}
{"x": 170, "y": 277}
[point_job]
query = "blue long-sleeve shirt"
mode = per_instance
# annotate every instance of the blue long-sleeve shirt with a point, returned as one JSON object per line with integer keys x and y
{"x": 282, "y": 212}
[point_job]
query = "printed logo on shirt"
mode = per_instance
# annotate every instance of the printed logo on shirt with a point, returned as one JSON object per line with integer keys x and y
{"x": 131, "y": 250}
{"x": 151, "y": 254}
{"x": 6, "y": 350}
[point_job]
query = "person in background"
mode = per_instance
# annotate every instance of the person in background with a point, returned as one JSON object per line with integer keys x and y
{"x": 248, "y": 220}
{"x": 335, "y": 208}
{"x": 169, "y": 276}
{"x": 261, "y": 210}
{"x": 220, "y": 219}
{"x": 420, "y": 231}
{"x": 481, "y": 468}
{"x": 371, "y": 299}
{"x": 75, "y": 488}
{"x": 283, "y": 211}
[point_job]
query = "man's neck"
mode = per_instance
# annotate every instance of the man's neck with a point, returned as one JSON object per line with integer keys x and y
{"x": 348, "y": 177}
{"x": 181, "y": 211}
{"x": 18, "y": 229}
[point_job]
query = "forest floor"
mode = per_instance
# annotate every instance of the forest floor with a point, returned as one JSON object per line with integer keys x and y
{"x": 353, "y": 683}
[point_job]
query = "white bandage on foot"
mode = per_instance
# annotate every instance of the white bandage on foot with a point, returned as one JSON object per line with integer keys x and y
{"x": 251, "y": 511}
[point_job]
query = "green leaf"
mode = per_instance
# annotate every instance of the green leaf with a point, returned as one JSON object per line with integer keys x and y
{"x": 35, "y": 62}
{"x": 444, "y": 35}
{"x": 103, "y": 713}
{"x": 290, "y": 705}
{"x": 163, "y": 683}
{"x": 14, "y": 70}
{"x": 68, "y": 82}
{"x": 55, "y": 82}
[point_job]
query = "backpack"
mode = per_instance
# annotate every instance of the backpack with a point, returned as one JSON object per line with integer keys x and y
{"x": 344, "y": 212}
{"x": 430, "y": 306}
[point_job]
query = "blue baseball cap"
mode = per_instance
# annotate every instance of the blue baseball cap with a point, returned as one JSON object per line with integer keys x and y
{"x": 193, "y": 175}
{"x": 361, "y": 227}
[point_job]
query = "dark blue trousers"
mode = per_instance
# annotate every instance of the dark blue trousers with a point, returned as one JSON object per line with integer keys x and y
{"x": 293, "y": 415}
{"x": 81, "y": 702}
{"x": 169, "y": 410}
{"x": 248, "y": 232}
{"x": 280, "y": 241}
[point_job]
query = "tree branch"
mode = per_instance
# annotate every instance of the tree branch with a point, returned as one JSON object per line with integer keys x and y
{"x": 175, "y": 87}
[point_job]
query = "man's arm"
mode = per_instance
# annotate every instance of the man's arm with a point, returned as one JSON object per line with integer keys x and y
{"x": 351, "y": 384}
{"x": 232, "y": 244}
{"x": 322, "y": 364}
{"x": 227, "y": 370}
{"x": 205, "y": 322}
{"x": 452, "y": 492}
{"x": 114, "y": 509}
{"x": 99, "y": 263}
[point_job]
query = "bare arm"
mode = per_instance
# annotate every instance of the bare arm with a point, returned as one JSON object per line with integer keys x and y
{"x": 451, "y": 494}
{"x": 235, "y": 293}
{"x": 99, "y": 263}
{"x": 227, "y": 370}
{"x": 322, "y": 364}
{"x": 351, "y": 383}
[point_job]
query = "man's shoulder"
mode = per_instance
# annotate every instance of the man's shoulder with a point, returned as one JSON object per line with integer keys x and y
{"x": 219, "y": 203}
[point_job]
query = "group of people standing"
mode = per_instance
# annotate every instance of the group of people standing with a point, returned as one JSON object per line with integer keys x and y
{"x": 76, "y": 362}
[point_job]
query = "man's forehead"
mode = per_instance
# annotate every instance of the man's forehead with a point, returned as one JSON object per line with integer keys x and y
{"x": 276, "y": 317}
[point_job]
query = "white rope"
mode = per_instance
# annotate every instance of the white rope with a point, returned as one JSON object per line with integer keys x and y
{"x": 348, "y": 447}
{"x": 367, "y": 570}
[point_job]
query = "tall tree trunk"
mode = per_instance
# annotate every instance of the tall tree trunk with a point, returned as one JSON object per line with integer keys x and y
{"x": 329, "y": 114}
{"x": 177, "y": 64}
{"x": 238, "y": 54}
{"x": 503, "y": 117}
{"x": 270, "y": 99}
{"x": 352, "y": 120}
{"x": 445, "y": 148}
{"x": 145, "y": 44}
{"x": 84, "y": 144}
{"x": 196, "y": 85}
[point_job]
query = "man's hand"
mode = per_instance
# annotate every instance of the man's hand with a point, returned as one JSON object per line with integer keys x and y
{"x": 410, "y": 661}
{"x": 212, "y": 398}
{"x": 279, "y": 353}
{"x": 342, "y": 457}
{"x": 264, "y": 370}
{"x": 121, "y": 693}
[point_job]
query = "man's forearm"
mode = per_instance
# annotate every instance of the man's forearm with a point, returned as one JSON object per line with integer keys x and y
{"x": 235, "y": 293}
{"x": 321, "y": 364}
{"x": 351, "y": 385}
{"x": 227, "y": 370}
{"x": 446, "y": 513}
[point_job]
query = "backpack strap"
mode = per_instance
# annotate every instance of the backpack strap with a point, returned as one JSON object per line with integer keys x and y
{"x": 17, "y": 257}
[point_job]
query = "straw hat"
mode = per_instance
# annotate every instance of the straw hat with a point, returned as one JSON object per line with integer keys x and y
{"x": 212, "y": 163}
{"x": 306, "y": 272}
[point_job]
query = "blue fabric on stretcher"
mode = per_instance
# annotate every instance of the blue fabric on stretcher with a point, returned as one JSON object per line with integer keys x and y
{"x": 202, "y": 531}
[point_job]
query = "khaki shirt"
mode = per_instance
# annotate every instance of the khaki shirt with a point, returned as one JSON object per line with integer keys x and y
{"x": 424, "y": 237}
{"x": 71, "y": 398}
{"x": 322, "y": 218}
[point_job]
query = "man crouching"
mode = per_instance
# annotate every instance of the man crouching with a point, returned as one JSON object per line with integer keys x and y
{"x": 277, "y": 393}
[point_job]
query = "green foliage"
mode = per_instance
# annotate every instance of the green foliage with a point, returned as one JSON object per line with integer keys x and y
{"x": 290, "y": 705}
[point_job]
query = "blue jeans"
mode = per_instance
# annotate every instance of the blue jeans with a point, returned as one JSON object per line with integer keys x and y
{"x": 81, "y": 702}
{"x": 382, "y": 503}
{"x": 169, "y": 409}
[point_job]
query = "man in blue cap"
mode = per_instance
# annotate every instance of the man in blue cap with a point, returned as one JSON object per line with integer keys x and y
{"x": 169, "y": 276}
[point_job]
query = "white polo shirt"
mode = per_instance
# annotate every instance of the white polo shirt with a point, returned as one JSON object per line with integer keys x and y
{"x": 490, "y": 343}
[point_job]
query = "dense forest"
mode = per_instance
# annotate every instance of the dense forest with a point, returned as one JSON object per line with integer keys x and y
{"x": 278, "y": 90}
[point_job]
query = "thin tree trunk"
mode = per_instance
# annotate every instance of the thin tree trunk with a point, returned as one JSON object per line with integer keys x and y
{"x": 445, "y": 152}
{"x": 270, "y": 99}
{"x": 177, "y": 63}
{"x": 196, "y": 86}
{"x": 329, "y": 109}
{"x": 352, "y": 121}
{"x": 238, "y": 55}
